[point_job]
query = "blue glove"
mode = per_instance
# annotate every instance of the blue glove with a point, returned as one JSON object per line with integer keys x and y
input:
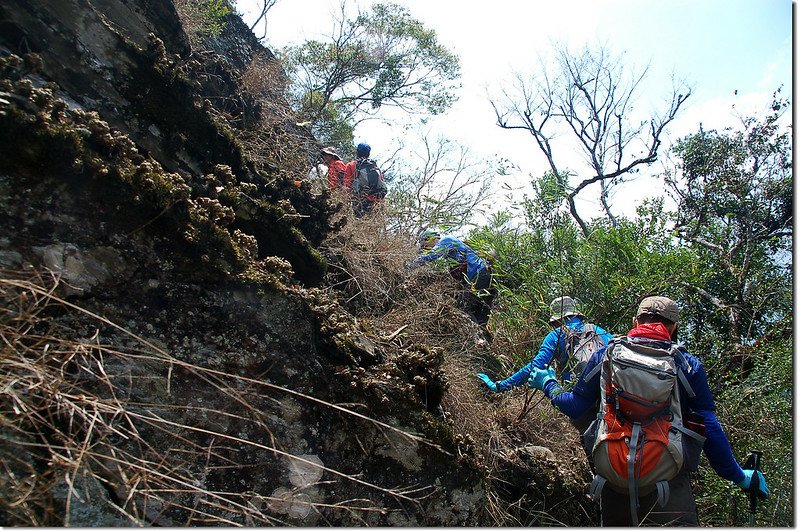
{"x": 488, "y": 382}
{"x": 539, "y": 377}
{"x": 411, "y": 265}
{"x": 761, "y": 487}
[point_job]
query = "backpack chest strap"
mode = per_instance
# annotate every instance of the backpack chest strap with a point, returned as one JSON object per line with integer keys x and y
{"x": 689, "y": 432}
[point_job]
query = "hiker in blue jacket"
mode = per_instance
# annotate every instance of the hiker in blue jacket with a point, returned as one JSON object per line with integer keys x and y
{"x": 466, "y": 266}
{"x": 564, "y": 315}
{"x": 656, "y": 319}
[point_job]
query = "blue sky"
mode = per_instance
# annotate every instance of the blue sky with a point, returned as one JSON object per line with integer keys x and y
{"x": 716, "y": 46}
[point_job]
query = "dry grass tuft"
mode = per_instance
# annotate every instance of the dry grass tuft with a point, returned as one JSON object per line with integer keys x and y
{"x": 69, "y": 420}
{"x": 265, "y": 80}
{"x": 417, "y": 307}
{"x": 275, "y": 140}
{"x": 366, "y": 263}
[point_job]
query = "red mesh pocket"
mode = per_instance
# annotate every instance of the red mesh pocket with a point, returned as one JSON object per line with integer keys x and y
{"x": 652, "y": 444}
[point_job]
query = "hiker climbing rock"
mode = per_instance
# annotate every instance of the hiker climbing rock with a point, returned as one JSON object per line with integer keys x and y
{"x": 466, "y": 266}
{"x": 363, "y": 177}
{"x": 656, "y": 413}
{"x": 336, "y": 169}
{"x": 568, "y": 347}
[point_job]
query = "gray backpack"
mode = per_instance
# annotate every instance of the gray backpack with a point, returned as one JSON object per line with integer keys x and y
{"x": 368, "y": 180}
{"x": 580, "y": 346}
{"x": 639, "y": 440}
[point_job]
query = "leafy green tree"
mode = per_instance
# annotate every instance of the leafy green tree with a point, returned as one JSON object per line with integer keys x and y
{"x": 608, "y": 271}
{"x": 332, "y": 127}
{"x": 735, "y": 199}
{"x": 616, "y": 266}
{"x": 377, "y": 59}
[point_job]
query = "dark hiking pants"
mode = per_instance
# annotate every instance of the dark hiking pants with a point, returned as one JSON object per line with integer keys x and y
{"x": 680, "y": 510}
{"x": 477, "y": 300}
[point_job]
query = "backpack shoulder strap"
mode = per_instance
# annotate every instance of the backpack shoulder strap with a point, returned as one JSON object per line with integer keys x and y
{"x": 681, "y": 363}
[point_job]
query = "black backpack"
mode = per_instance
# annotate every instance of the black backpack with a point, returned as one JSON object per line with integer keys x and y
{"x": 368, "y": 180}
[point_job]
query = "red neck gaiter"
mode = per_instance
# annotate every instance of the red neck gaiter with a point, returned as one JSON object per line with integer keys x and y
{"x": 654, "y": 331}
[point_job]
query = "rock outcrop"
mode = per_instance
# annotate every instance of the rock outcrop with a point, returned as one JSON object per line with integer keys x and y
{"x": 170, "y": 359}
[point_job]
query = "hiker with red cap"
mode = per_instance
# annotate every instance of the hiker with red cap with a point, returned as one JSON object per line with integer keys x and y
{"x": 655, "y": 414}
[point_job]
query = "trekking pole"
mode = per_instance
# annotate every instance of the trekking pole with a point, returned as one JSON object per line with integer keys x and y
{"x": 753, "y": 462}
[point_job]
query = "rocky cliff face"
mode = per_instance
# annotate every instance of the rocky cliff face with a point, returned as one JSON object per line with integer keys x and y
{"x": 169, "y": 359}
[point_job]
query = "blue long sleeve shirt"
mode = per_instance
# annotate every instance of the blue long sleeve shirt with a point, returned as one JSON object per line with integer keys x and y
{"x": 585, "y": 395}
{"x": 456, "y": 251}
{"x": 553, "y": 346}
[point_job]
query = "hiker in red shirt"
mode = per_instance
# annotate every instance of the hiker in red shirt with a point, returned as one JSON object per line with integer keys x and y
{"x": 362, "y": 152}
{"x": 336, "y": 169}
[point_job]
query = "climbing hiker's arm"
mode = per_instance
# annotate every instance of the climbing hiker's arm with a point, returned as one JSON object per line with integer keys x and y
{"x": 517, "y": 379}
{"x": 540, "y": 361}
{"x": 419, "y": 261}
{"x": 571, "y": 403}
{"x": 585, "y": 394}
{"x": 716, "y": 448}
{"x": 442, "y": 248}
{"x": 547, "y": 350}
{"x": 431, "y": 255}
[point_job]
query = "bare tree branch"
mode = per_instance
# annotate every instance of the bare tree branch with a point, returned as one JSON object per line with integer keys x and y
{"x": 446, "y": 187}
{"x": 592, "y": 101}
{"x": 266, "y": 5}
